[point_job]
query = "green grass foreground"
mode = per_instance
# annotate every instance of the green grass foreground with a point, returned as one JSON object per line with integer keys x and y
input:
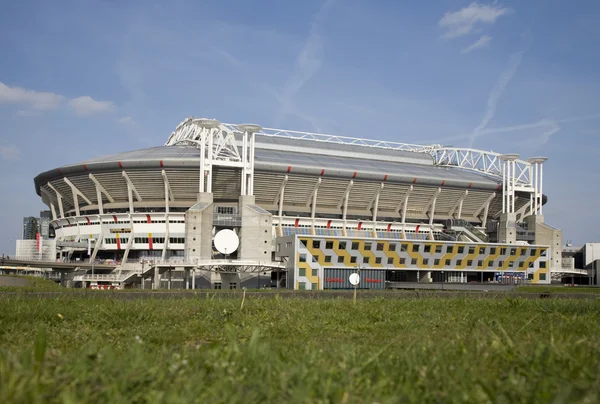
{"x": 87, "y": 347}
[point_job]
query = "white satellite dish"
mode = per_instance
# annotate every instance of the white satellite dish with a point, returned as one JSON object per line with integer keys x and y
{"x": 354, "y": 278}
{"x": 226, "y": 241}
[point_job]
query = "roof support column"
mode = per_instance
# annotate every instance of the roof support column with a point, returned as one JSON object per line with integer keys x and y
{"x": 432, "y": 204}
{"x": 59, "y": 198}
{"x": 344, "y": 201}
{"x": 458, "y": 205}
{"x": 485, "y": 208}
{"x": 313, "y": 203}
{"x": 50, "y": 201}
{"x": 404, "y": 204}
{"x": 99, "y": 191}
{"x": 130, "y": 191}
{"x": 168, "y": 196}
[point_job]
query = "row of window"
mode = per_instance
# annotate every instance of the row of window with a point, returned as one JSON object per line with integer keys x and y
{"x": 93, "y": 223}
{"x": 414, "y": 261}
{"x": 427, "y": 248}
{"x": 145, "y": 240}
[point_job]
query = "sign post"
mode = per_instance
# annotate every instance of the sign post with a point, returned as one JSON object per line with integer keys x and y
{"x": 354, "y": 279}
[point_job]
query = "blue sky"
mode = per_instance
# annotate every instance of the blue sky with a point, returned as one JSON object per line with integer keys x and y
{"x": 80, "y": 79}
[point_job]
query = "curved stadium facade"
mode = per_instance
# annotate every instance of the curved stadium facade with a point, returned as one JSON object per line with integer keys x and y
{"x": 308, "y": 209}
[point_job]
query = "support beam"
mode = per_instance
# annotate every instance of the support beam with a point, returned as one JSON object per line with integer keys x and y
{"x": 345, "y": 203}
{"x": 168, "y": 192}
{"x": 404, "y": 204}
{"x": 313, "y": 203}
{"x": 50, "y": 199}
{"x": 280, "y": 195}
{"x": 131, "y": 189}
{"x": 344, "y": 199}
{"x": 59, "y": 197}
{"x": 99, "y": 191}
{"x": 431, "y": 206}
{"x": 485, "y": 206}
{"x": 76, "y": 190}
{"x": 458, "y": 205}
{"x": 374, "y": 203}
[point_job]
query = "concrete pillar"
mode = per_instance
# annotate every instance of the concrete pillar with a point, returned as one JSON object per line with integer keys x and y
{"x": 156, "y": 284}
{"x": 169, "y": 279}
{"x": 187, "y": 278}
{"x": 194, "y": 278}
{"x": 143, "y": 282}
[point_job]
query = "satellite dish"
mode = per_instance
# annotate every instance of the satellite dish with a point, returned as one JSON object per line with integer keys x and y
{"x": 354, "y": 278}
{"x": 226, "y": 241}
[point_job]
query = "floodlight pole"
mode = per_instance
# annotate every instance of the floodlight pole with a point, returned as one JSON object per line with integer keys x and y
{"x": 356, "y": 286}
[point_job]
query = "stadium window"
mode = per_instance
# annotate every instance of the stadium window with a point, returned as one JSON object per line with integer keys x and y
{"x": 503, "y": 251}
{"x": 315, "y": 272}
{"x": 500, "y": 264}
{"x": 342, "y": 245}
{"x": 366, "y": 260}
{"x": 511, "y": 264}
{"x": 315, "y": 258}
{"x": 304, "y": 242}
{"x": 448, "y": 263}
{"x": 436, "y": 262}
{"x": 217, "y": 285}
{"x": 329, "y": 245}
{"x": 353, "y": 260}
{"x": 438, "y": 249}
{"x": 480, "y": 263}
{"x": 415, "y": 248}
{"x": 521, "y": 264}
{"x": 402, "y": 261}
{"x": 425, "y": 262}
{"x": 542, "y": 277}
{"x": 355, "y": 245}
{"x": 543, "y": 264}
{"x": 544, "y": 252}
{"x": 392, "y": 247}
{"x": 493, "y": 250}
{"x": 367, "y": 246}
{"x": 378, "y": 260}
{"x": 302, "y": 272}
{"x": 427, "y": 248}
{"x": 302, "y": 257}
{"x": 328, "y": 258}
{"x": 471, "y": 250}
{"x": 470, "y": 263}
{"x": 481, "y": 250}
{"x": 458, "y": 262}
{"x": 340, "y": 260}
{"x": 532, "y": 252}
{"x": 390, "y": 261}
{"x": 461, "y": 249}
{"x": 523, "y": 251}
{"x": 301, "y": 286}
{"x": 413, "y": 261}
{"x": 513, "y": 251}
{"x": 531, "y": 265}
{"x": 233, "y": 285}
{"x": 316, "y": 244}
{"x": 490, "y": 263}
{"x": 403, "y": 247}
{"x": 380, "y": 246}
{"x": 313, "y": 286}
{"x": 288, "y": 244}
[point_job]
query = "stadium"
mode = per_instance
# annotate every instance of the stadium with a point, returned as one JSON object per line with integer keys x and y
{"x": 230, "y": 206}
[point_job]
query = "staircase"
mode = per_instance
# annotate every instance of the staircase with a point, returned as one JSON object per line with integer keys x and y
{"x": 468, "y": 229}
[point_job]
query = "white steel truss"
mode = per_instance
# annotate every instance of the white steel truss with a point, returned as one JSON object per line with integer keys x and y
{"x": 523, "y": 176}
{"x": 218, "y": 147}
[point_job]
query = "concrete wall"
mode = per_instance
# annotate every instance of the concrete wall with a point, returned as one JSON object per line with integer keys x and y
{"x": 198, "y": 229}
{"x": 256, "y": 231}
{"x": 547, "y": 235}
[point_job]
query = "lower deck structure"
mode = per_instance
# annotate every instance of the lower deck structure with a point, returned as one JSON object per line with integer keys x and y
{"x": 316, "y": 263}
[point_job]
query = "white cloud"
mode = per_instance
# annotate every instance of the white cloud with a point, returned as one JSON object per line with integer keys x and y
{"x": 499, "y": 88}
{"x": 86, "y": 105}
{"x": 308, "y": 62}
{"x": 34, "y": 99}
{"x": 463, "y": 22}
{"x": 481, "y": 43}
{"x": 9, "y": 152}
{"x": 126, "y": 120}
